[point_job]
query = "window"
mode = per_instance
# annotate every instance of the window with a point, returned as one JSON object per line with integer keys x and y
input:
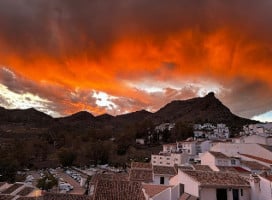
{"x": 242, "y": 192}
{"x": 167, "y": 158}
{"x": 233, "y": 162}
{"x": 160, "y": 157}
{"x": 235, "y": 194}
{"x": 161, "y": 180}
{"x": 221, "y": 194}
{"x": 154, "y": 161}
{"x": 168, "y": 163}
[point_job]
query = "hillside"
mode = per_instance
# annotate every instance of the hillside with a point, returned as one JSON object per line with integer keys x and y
{"x": 196, "y": 110}
{"x": 199, "y": 110}
{"x": 105, "y": 138}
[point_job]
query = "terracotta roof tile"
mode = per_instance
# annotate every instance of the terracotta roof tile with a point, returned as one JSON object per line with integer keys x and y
{"x": 268, "y": 177}
{"x": 202, "y": 167}
{"x": 109, "y": 176}
{"x": 185, "y": 167}
{"x": 152, "y": 190}
{"x": 141, "y": 165}
{"x": 206, "y": 178}
{"x": 145, "y": 175}
{"x": 163, "y": 170}
{"x": 253, "y": 165}
{"x": 241, "y": 170}
{"x": 118, "y": 190}
{"x": 257, "y": 158}
{"x": 218, "y": 155}
{"x": 227, "y": 169}
{"x": 186, "y": 196}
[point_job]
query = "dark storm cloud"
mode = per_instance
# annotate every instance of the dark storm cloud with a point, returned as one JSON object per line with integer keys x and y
{"x": 248, "y": 98}
{"x": 61, "y": 30}
{"x": 65, "y": 26}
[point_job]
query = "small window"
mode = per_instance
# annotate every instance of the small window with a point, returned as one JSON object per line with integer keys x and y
{"x": 154, "y": 161}
{"x": 160, "y": 157}
{"x": 168, "y": 163}
{"x": 161, "y": 180}
{"x": 167, "y": 158}
{"x": 242, "y": 192}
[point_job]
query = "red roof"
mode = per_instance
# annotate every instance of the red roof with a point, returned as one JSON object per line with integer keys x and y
{"x": 241, "y": 170}
{"x": 257, "y": 158}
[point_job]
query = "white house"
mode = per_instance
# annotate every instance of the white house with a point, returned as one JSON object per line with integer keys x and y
{"x": 203, "y": 146}
{"x": 261, "y": 187}
{"x": 264, "y": 129}
{"x": 254, "y": 167}
{"x": 171, "y": 147}
{"x": 187, "y": 146}
{"x": 220, "y": 131}
{"x": 207, "y": 185}
{"x": 161, "y": 192}
{"x": 213, "y": 159}
{"x": 254, "y": 152}
{"x": 163, "y": 174}
{"x": 140, "y": 141}
{"x": 169, "y": 159}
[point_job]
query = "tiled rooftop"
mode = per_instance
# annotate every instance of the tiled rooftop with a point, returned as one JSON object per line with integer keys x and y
{"x": 227, "y": 169}
{"x": 163, "y": 170}
{"x": 269, "y": 148}
{"x": 185, "y": 167}
{"x": 141, "y": 165}
{"x": 118, "y": 190}
{"x": 109, "y": 176}
{"x": 218, "y": 155}
{"x": 241, "y": 170}
{"x": 186, "y": 196}
{"x": 152, "y": 190}
{"x": 257, "y": 158}
{"x": 202, "y": 167}
{"x": 145, "y": 175}
{"x": 206, "y": 178}
{"x": 268, "y": 177}
{"x": 253, "y": 165}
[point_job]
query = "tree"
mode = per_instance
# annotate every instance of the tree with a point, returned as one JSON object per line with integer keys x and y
{"x": 181, "y": 131}
{"x": 66, "y": 157}
{"x": 47, "y": 182}
{"x": 8, "y": 170}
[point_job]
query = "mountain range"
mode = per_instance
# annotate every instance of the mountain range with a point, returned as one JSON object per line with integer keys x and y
{"x": 195, "y": 110}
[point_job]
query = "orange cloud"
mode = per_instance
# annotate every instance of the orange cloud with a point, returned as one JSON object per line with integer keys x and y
{"x": 115, "y": 48}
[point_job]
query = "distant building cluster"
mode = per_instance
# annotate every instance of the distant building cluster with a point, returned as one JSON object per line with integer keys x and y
{"x": 210, "y": 131}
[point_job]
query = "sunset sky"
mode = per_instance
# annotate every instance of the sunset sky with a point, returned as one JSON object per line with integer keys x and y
{"x": 63, "y": 56}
